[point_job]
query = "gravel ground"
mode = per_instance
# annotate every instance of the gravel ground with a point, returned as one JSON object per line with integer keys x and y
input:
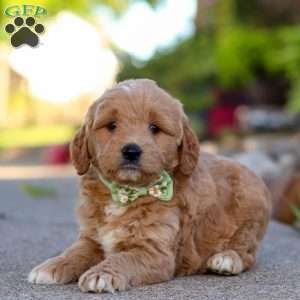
{"x": 32, "y": 230}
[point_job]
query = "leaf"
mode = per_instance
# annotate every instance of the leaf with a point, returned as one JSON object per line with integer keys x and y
{"x": 38, "y": 191}
{"x": 296, "y": 211}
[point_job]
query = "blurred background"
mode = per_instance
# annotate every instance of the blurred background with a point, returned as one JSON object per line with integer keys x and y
{"x": 234, "y": 64}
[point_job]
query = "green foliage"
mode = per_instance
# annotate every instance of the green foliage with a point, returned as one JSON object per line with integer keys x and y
{"x": 178, "y": 70}
{"x": 35, "y": 136}
{"x": 81, "y": 7}
{"x": 276, "y": 50}
{"x": 228, "y": 58}
{"x": 238, "y": 52}
{"x": 37, "y": 192}
{"x": 77, "y": 6}
{"x": 296, "y": 212}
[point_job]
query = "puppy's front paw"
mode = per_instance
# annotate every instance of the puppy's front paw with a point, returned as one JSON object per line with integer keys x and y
{"x": 54, "y": 270}
{"x": 225, "y": 263}
{"x": 97, "y": 281}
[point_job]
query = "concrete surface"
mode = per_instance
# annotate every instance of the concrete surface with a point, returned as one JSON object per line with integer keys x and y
{"x": 32, "y": 230}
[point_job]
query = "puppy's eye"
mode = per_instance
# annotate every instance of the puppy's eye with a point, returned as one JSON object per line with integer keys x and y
{"x": 111, "y": 126}
{"x": 154, "y": 128}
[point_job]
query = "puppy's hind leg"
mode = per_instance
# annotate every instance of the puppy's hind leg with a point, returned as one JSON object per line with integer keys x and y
{"x": 68, "y": 266}
{"x": 241, "y": 253}
{"x": 226, "y": 263}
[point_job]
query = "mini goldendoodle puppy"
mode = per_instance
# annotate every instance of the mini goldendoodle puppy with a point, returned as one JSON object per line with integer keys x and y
{"x": 152, "y": 206}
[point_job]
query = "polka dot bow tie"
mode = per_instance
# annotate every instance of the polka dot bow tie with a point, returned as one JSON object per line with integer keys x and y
{"x": 162, "y": 189}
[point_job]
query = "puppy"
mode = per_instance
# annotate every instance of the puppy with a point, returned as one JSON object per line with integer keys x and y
{"x": 152, "y": 206}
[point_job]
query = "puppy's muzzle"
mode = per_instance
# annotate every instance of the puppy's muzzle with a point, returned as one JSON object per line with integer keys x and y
{"x": 131, "y": 153}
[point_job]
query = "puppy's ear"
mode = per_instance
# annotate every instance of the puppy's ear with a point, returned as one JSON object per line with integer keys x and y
{"x": 79, "y": 151}
{"x": 188, "y": 150}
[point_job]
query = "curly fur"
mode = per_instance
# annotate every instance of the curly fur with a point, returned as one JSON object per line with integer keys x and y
{"x": 215, "y": 221}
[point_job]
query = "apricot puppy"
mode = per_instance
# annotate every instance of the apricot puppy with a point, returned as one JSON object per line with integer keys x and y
{"x": 152, "y": 206}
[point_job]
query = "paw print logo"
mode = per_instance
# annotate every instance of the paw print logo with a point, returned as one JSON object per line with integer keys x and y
{"x": 24, "y": 32}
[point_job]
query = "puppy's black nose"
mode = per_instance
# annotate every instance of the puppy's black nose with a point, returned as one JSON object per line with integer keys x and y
{"x": 131, "y": 152}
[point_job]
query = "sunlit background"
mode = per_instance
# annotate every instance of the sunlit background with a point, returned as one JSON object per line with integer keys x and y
{"x": 234, "y": 64}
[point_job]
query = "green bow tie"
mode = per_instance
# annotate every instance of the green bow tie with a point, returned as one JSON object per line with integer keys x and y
{"x": 162, "y": 189}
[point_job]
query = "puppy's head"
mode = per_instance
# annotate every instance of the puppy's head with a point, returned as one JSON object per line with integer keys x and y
{"x": 133, "y": 132}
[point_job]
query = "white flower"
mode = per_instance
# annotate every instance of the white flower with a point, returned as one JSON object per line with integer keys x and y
{"x": 155, "y": 191}
{"x": 123, "y": 196}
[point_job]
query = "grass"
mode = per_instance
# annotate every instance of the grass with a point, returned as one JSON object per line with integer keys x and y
{"x": 35, "y": 136}
{"x": 296, "y": 211}
{"x": 36, "y": 192}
